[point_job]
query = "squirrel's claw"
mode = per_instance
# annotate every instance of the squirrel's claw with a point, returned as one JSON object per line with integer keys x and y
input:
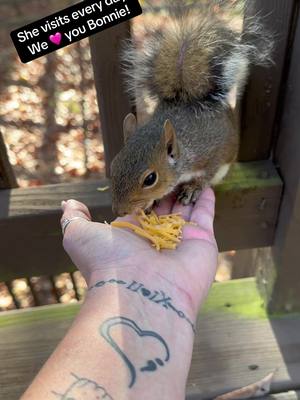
{"x": 189, "y": 194}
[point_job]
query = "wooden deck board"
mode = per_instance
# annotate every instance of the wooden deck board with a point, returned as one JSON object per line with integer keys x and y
{"x": 229, "y": 340}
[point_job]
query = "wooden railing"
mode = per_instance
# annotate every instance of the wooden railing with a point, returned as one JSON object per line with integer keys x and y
{"x": 248, "y": 202}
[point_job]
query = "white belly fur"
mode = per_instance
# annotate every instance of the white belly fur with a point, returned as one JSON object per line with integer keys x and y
{"x": 189, "y": 176}
{"x": 220, "y": 175}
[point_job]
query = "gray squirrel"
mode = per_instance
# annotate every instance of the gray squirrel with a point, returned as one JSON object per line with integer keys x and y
{"x": 194, "y": 67}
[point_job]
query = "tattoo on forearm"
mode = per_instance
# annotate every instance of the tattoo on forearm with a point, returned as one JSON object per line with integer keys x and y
{"x": 150, "y": 365}
{"x": 155, "y": 296}
{"x": 83, "y": 388}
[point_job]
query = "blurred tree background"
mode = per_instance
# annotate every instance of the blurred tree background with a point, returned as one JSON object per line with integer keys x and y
{"x": 48, "y": 111}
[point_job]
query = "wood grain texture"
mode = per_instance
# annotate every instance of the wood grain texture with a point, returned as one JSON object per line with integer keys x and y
{"x": 228, "y": 341}
{"x": 246, "y": 214}
{"x": 262, "y": 97}
{"x": 247, "y": 206}
{"x": 285, "y": 294}
{"x": 7, "y": 176}
{"x": 113, "y": 101}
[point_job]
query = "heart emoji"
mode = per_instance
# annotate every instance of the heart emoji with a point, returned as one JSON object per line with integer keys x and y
{"x": 151, "y": 366}
{"x": 56, "y": 39}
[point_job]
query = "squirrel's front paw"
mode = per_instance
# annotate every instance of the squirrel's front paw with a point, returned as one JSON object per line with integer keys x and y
{"x": 189, "y": 194}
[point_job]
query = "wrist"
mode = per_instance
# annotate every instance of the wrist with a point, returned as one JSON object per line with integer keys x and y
{"x": 153, "y": 331}
{"x": 146, "y": 288}
{"x": 122, "y": 342}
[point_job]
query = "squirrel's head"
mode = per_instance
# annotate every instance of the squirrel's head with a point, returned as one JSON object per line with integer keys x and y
{"x": 145, "y": 169}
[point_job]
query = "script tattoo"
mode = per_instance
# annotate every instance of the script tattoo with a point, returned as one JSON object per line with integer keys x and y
{"x": 155, "y": 296}
{"x": 151, "y": 365}
{"x": 83, "y": 389}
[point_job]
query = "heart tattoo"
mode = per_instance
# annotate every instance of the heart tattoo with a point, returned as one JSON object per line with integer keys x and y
{"x": 151, "y": 365}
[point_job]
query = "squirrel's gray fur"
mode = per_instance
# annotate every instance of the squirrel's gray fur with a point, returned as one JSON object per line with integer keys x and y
{"x": 230, "y": 57}
{"x": 191, "y": 67}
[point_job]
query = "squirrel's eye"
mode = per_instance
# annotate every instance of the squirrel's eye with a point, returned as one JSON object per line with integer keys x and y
{"x": 150, "y": 179}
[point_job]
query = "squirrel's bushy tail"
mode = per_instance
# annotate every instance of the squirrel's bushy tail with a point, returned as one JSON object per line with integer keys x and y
{"x": 195, "y": 56}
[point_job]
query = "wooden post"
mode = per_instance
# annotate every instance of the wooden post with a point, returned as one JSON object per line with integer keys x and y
{"x": 7, "y": 176}
{"x": 285, "y": 290}
{"x": 114, "y": 103}
{"x": 262, "y": 97}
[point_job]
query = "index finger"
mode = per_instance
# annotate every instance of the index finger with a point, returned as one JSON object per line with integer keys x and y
{"x": 203, "y": 213}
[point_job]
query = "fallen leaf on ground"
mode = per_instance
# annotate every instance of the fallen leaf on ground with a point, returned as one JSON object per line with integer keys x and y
{"x": 257, "y": 389}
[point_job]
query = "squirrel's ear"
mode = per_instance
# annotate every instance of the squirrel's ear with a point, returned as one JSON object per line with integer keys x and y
{"x": 129, "y": 126}
{"x": 170, "y": 140}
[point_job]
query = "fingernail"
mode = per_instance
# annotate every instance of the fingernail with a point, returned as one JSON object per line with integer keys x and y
{"x": 63, "y": 204}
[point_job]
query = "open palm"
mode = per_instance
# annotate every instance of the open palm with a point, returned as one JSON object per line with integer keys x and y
{"x": 101, "y": 249}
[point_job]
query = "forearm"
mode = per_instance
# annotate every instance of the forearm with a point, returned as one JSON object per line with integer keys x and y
{"x": 132, "y": 339}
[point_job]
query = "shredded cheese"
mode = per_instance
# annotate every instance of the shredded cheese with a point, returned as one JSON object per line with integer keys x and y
{"x": 164, "y": 232}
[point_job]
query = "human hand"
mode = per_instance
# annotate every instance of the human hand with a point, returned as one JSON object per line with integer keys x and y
{"x": 99, "y": 249}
